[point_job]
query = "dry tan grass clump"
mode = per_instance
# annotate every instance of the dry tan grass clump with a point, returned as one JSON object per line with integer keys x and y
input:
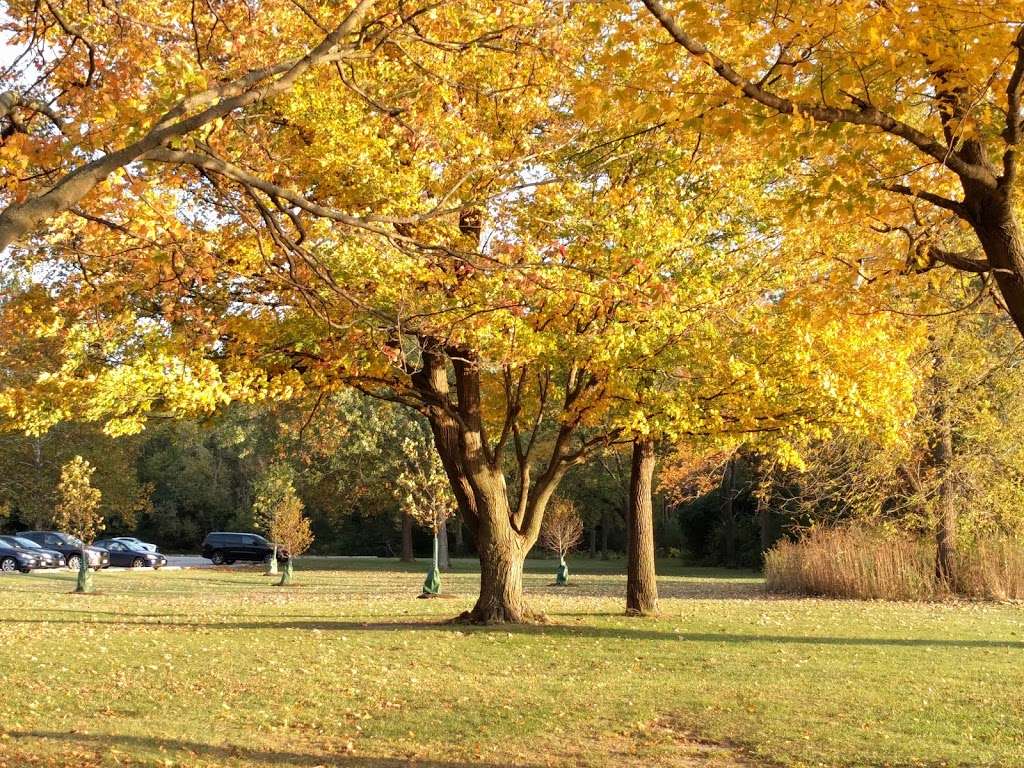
{"x": 993, "y": 570}
{"x": 866, "y": 564}
{"x": 852, "y": 562}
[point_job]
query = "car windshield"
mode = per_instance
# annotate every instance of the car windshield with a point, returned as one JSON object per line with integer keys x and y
{"x": 71, "y": 540}
{"x": 23, "y": 542}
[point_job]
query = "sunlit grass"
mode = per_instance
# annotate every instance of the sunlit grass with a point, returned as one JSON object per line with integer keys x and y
{"x": 219, "y": 668}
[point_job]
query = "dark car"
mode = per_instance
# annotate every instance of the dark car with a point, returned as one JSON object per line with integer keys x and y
{"x": 15, "y": 559}
{"x": 70, "y": 547}
{"x": 227, "y": 547}
{"x": 124, "y": 555}
{"x": 48, "y": 558}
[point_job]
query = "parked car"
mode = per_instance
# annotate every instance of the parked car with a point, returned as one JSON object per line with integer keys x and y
{"x": 124, "y": 555}
{"x": 135, "y": 543}
{"x": 70, "y": 547}
{"x": 227, "y": 547}
{"x": 48, "y": 558}
{"x": 14, "y": 559}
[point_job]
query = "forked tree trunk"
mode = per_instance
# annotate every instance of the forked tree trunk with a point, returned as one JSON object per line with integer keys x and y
{"x": 502, "y": 553}
{"x": 641, "y": 579}
{"x": 407, "y": 553}
{"x": 503, "y": 536}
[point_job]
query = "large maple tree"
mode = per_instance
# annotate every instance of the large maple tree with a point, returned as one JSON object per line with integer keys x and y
{"x": 439, "y": 220}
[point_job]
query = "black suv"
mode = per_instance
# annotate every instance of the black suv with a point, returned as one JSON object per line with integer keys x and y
{"x": 70, "y": 547}
{"x": 226, "y": 547}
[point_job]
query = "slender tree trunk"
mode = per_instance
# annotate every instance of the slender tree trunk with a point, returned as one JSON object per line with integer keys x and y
{"x": 729, "y": 513}
{"x": 286, "y": 572}
{"x": 641, "y": 579}
{"x": 407, "y": 553}
{"x": 592, "y": 543}
{"x": 946, "y": 513}
{"x": 605, "y": 524}
{"x": 460, "y": 543}
{"x": 444, "y": 561}
{"x": 84, "y": 583}
{"x": 764, "y": 519}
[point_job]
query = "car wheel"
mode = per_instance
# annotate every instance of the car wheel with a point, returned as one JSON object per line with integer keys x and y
{"x": 74, "y": 562}
{"x": 217, "y": 558}
{"x": 25, "y": 570}
{"x": 8, "y": 565}
{"x": 138, "y": 562}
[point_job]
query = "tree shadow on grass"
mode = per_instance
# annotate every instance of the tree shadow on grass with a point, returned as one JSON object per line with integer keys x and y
{"x": 248, "y": 755}
{"x": 561, "y": 631}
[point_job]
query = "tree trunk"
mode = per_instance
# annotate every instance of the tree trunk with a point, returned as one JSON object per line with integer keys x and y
{"x": 407, "y": 554}
{"x": 592, "y": 543}
{"x": 460, "y": 543}
{"x": 641, "y": 579}
{"x": 444, "y": 561}
{"x": 729, "y": 513}
{"x": 764, "y": 519}
{"x": 991, "y": 215}
{"x": 84, "y": 583}
{"x": 946, "y": 514}
{"x": 501, "y": 581}
{"x": 605, "y": 524}
{"x": 286, "y": 573}
{"x": 503, "y": 536}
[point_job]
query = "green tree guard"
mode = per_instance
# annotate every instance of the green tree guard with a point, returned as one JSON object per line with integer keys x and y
{"x": 432, "y": 586}
{"x": 286, "y": 574}
{"x": 562, "y": 574}
{"x": 84, "y": 574}
{"x": 272, "y": 567}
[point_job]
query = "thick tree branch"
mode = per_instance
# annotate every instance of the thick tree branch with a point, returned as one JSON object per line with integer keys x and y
{"x": 930, "y": 197}
{"x": 19, "y": 219}
{"x": 1013, "y": 116}
{"x": 865, "y": 114}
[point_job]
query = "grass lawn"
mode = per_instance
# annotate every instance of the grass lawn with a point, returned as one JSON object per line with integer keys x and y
{"x": 219, "y": 668}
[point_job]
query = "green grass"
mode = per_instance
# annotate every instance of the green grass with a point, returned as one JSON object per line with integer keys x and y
{"x": 219, "y": 668}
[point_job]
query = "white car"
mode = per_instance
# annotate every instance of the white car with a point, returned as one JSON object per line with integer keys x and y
{"x": 136, "y": 543}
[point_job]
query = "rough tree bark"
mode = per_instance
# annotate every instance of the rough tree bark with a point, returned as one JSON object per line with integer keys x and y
{"x": 407, "y": 554}
{"x": 641, "y": 579}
